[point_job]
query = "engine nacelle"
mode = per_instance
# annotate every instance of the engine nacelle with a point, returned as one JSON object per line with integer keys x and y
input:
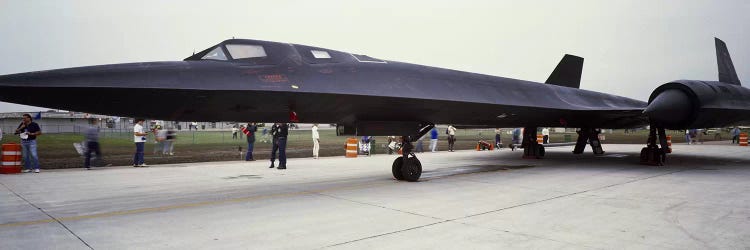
{"x": 698, "y": 104}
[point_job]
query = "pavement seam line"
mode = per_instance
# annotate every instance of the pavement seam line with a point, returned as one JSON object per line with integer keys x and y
{"x": 384, "y": 234}
{"x": 179, "y": 206}
{"x": 378, "y": 206}
{"x": 506, "y": 208}
{"x": 48, "y": 215}
{"x": 574, "y": 193}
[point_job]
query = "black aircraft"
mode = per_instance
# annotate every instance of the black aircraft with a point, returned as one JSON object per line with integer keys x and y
{"x": 242, "y": 79}
{"x": 684, "y": 104}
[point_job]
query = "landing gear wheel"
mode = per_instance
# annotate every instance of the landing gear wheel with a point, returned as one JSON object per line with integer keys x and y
{"x": 396, "y": 169}
{"x": 644, "y": 155}
{"x": 660, "y": 156}
{"x": 653, "y": 156}
{"x": 411, "y": 169}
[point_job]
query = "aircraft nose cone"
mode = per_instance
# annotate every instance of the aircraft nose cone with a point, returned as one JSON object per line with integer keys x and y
{"x": 670, "y": 108}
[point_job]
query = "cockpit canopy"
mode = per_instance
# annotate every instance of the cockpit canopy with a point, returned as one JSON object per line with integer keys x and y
{"x": 245, "y": 51}
{"x": 257, "y": 52}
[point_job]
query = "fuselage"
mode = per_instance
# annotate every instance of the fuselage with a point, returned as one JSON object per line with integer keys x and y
{"x": 329, "y": 87}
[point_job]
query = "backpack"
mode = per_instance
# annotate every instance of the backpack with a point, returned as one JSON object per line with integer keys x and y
{"x": 446, "y": 131}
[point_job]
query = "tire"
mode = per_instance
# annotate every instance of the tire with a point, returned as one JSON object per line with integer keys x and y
{"x": 411, "y": 169}
{"x": 396, "y": 168}
{"x": 662, "y": 156}
{"x": 644, "y": 155}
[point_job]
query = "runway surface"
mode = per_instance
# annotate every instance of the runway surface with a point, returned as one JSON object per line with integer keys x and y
{"x": 465, "y": 200}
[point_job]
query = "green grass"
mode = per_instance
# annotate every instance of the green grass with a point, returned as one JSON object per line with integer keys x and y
{"x": 56, "y": 150}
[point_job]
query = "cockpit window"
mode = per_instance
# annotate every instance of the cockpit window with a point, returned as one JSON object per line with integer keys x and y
{"x": 247, "y": 52}
{"x": 215, "y": 54}
{"x": 242, "y": 51}
{"x": 319, "y": 54}
{"x": 368, "y": 59}
{"x": 313, "y": 55}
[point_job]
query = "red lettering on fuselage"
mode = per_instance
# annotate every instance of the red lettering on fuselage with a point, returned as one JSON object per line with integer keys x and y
{"x": 273, "y": 78}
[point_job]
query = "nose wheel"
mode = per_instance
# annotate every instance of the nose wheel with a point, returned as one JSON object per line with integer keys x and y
{"x": 407, "y": 169}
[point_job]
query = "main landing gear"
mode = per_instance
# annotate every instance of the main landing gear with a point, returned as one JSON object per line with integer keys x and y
{"x": 407, "y": 167}
{"x": 591, "y": 136}
{"x": 652, "y": 154}
{"x": 531, "y": 148}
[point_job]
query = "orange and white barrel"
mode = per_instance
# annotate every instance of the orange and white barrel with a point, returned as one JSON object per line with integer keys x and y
{"x": 11, "y": 159}
{"x": 669, "y": 144}
{"x": 539, "y": 139}
{"x": 351, "y": 148}
{"x": 743, "y": 139}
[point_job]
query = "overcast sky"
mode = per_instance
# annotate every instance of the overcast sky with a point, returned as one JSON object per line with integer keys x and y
{"x": 630, "y": 47}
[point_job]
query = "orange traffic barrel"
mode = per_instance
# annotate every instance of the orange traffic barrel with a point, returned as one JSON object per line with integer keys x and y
{"x": 11, "y": 159}
{"x": 669, "y": 144}
{"x": 743, "y": 139}
{"x": 539, "y": 139}
{"x": 351, "y": 147}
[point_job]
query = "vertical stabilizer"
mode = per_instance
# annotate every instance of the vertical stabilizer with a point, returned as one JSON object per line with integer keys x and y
{"x": 726, "y": 68}
{"x": 568, "y": 72}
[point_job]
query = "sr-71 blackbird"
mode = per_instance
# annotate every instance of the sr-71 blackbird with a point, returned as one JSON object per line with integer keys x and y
{"x": 240, "y": 80}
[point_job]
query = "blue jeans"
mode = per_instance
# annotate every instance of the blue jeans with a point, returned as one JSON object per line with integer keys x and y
{"x": 138, "y": 158}
{"x": 30, "y": 158}
{"x": 274, "y": 149}
{"x": 249, "y": 155}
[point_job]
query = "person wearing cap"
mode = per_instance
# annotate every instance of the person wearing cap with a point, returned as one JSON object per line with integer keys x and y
{"x": 29, "y": 130}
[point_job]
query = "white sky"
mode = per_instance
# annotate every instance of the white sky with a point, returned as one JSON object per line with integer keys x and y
{"x": 630, "y": 47}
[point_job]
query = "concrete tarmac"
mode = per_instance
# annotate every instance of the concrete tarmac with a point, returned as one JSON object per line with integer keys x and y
{"x": 465, "y": 200}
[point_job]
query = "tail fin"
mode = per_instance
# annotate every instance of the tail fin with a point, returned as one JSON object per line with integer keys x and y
{"x": 568, "y": 72}
{"x": 726, "y": 68}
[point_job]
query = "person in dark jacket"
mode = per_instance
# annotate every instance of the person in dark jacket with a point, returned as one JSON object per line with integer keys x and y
{"x": 279, "y": 132}
{"x": 249, "y": 132}
{"x": 29, "y": 130}
{"x": 274, "y": 142}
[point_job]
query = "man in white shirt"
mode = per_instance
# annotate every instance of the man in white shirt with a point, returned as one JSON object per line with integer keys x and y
{"x": 545, "y": 135}
{"x": 316, "y": 140}
{"x": 451, "y": 137}
{"x": 139, "y": 137}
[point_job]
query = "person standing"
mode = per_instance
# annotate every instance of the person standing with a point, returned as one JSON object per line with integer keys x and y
{"x": 282, "y": 132}
{"x": 735, "y": 135}
{"x": 420, "y": 147}
{"x": 160, "y": 136}
{"x": 498, "y": 138}
{"x": 316, "y": 140}
{"x": 29, "y": 130}
{"x": 391, "y": 144}
{"x": 169, "y": 141}
{"x": 433, "y": 139}
{"x": 249, "y": 132}
{"x": 274, "y": 142}
{"x": 139, "y": 137}
{"x": 545, "y": 135}
{"x": 451, "y": 137}
{"x": 234, "y": 132}
{"x": 92, "y": 145}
